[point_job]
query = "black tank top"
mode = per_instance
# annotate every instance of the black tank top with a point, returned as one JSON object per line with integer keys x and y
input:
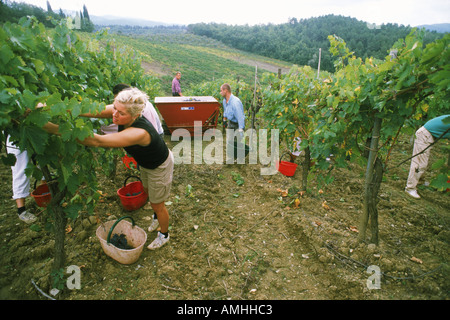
{"x": 153, "y": 155}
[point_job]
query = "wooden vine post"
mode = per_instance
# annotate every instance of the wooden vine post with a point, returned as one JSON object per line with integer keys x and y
{"x": 374, "y": 174}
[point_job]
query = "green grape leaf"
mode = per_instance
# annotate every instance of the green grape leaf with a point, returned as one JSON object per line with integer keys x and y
{"x": 36, "y": 137}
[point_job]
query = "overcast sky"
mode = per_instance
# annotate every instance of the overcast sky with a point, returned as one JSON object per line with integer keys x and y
{"x": 402, "y": 12}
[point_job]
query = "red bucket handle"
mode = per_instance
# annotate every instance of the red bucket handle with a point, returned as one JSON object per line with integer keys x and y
{"x": 125, "y": 182}
{"x": 286, "y": 153}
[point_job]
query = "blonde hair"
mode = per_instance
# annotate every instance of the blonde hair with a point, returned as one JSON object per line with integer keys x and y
{"x": 134, "y": 99}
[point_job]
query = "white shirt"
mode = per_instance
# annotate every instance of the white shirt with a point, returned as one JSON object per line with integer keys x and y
{"x": 149, "y": 113}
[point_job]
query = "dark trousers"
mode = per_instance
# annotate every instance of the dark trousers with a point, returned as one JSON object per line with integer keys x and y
{"x": 233, "y": 125}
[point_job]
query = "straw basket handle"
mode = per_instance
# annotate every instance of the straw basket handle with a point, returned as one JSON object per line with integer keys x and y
{"x": 114, "y": 225}
{"x": 125, "y": 182}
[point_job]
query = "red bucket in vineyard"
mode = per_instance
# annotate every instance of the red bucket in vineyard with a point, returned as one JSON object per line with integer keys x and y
{"x": 286, "y": 168}
{"x": 42, "y": 195}
{"x": 132, "y": 195}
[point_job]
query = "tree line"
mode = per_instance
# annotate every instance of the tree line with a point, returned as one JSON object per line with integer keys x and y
{"x": 299, "y": 41}
{"x": 11, "y": 11}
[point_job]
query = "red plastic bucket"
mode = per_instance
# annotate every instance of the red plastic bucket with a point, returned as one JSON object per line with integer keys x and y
{"x": 42, "y": 195}
{"x": 132, "y": 195}
{"x": 287, "y": 168}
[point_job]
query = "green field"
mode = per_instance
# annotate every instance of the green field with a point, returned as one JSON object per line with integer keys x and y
{"x": 198, "y": 58}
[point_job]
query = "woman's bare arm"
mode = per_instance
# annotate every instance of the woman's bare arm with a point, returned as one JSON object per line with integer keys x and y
{"x": 51, "y": 128}
{"x": 125, "y": 138}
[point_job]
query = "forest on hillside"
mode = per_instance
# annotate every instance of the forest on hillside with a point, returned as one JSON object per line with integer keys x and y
{"x": 299, "y": 41}
{"x": 12, "y": 11}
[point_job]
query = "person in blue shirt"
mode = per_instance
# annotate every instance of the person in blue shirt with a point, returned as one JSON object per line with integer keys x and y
{"x": 435, "y": 128}
{"x": 233, "y": 118}
{"x": 233, "y": 110}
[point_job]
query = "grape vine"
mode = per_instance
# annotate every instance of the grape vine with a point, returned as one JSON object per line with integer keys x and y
{"x": 71, "y": 73}
{"x": 358, "y": 112}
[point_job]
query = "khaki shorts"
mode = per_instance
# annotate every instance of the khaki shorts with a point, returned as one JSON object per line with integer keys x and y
{"x": 158, "y": 181}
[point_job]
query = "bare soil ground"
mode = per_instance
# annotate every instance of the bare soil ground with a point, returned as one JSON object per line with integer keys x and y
{"x": 156, "y": 68}
{"x": 260, "y": 64}
{"x": 248, "y": 241}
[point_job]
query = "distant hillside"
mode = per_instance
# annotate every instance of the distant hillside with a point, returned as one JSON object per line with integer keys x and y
{"x": 299, "y": 41}
{"x": 199, "y": 59}
{"x": 121, "y": 21}
{"x": 440, "y": 27}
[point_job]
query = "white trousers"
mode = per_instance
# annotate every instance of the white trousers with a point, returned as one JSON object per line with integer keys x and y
{"x": 419, "y": 163}
{"x": 20, "y": 181}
